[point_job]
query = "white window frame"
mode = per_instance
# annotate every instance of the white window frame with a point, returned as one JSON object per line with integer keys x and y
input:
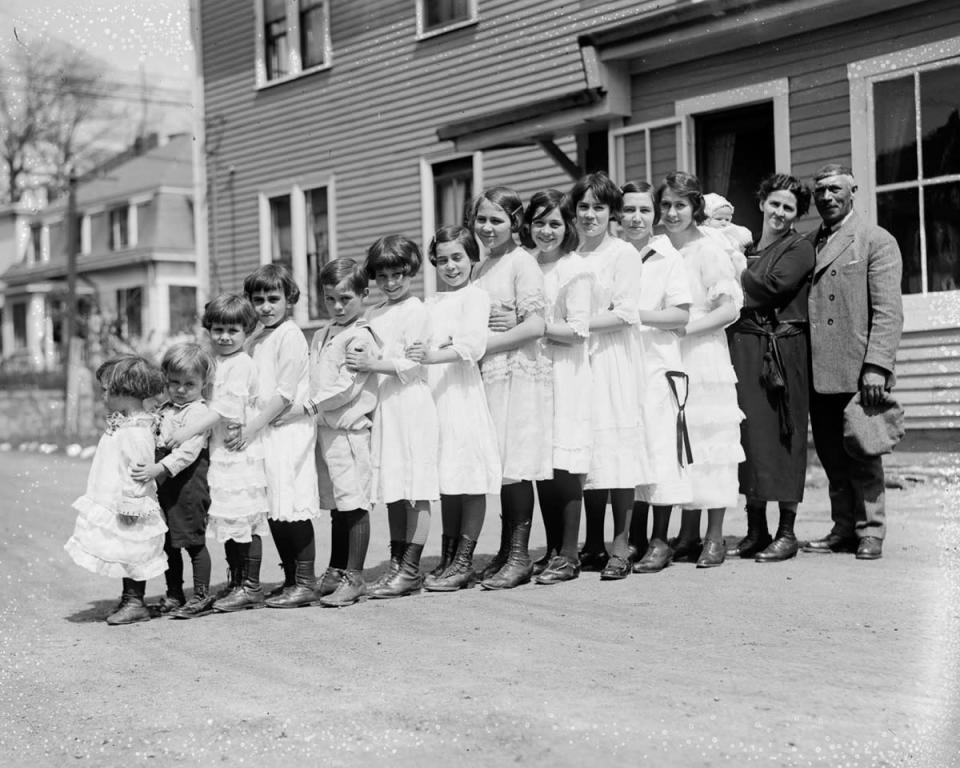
{"x": 86, "y": 241}
{"x": 424, "y": 34}
{"x": 428, "y": 203}
{"x": 862, "y": 75}
{"x": 297, "y": 190}
{"x": 295, "y": 63}
{"x": 777, "y": 91}
{"x": 616, "y": 140}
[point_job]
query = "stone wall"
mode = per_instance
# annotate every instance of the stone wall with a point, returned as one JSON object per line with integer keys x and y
{"x": 37, "y": 414}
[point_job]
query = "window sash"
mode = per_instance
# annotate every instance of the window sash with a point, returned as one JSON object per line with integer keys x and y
{"x": 293, "y": 37}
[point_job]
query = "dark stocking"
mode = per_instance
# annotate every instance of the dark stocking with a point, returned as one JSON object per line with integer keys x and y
{"x": 715, "y": 524}
{"x": 200, "y": 562}
{"x": 302, "y": 541}
{"x": 516, "y": 500}
{"x": 451, "y": 510}
{"x": 174, "y": 574}
{"x": 638, "y": 527}
{"x": 621, "y": 501}
{"x": 550, "y": 503}
{"x": 690, "y": 525}
{"x": 474, "y": 509}
{"x": 280, "y": 531}
{"x": 339, "y": 539}
{"x": 134, "y": 587}
{"x": 357, "y": 524}
{"x": 788, "y": 516}
{"x": 595, "y": 507}
{"x": 661, "y": 522}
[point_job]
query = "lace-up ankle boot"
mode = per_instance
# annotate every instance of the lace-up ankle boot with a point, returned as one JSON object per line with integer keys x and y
{"x": 350, "y": 590}
{"x": 289, "y": 579}
{"x": 301, "y": 592}
{"x": 249, "y": 594}
{"x": 499, "y": 559}
{"x": 459, "y": 574}
{"x": 200, "y": 604}
{"x": 396, "y": 555}
{"x": 329, "y": 581}
{"x": 407, "y": 580}
{"x": 132, "y": 608}
{"x": 518, "y": 569}
{"x": 448, "y": 551}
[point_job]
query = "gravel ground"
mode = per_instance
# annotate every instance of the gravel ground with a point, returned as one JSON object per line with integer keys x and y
{"x": 820, "y": 661}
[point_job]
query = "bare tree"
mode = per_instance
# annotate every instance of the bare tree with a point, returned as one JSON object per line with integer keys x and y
{"x": 55, "y": 116}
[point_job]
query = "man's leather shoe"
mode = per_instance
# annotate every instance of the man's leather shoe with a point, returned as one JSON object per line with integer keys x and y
{"x": 870, "y": 548}
{"x": 781, "y": 548}
{"x": 832, "y": 542}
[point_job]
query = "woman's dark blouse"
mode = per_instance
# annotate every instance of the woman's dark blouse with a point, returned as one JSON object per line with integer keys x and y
{"x": 776, "y": 281}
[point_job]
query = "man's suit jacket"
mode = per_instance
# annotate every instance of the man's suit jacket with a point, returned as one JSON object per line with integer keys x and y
{"x": 856, "y": 311}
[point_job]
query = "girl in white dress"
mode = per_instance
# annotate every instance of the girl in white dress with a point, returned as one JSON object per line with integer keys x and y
{"x": 712, "y": 413}
{"x": 236, "y": 476}
{"x": 664, "y": 305}
{"x": 281, "y": 354}
{"x": 404, "y": 444}
{"x": 618, "y": 461}
{"x": 469, "y": 458}
{"x": 119, "y": 530}
{"x": 569, "y": 288}
{"x": 516, "y": 377}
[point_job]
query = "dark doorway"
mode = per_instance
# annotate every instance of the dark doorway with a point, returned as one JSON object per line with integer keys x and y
{"x": 735, "y": 150}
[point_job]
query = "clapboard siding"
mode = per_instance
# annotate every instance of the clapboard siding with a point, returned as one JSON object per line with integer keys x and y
{"x": 371, "y": 116}
{"x": 928, "y": 378}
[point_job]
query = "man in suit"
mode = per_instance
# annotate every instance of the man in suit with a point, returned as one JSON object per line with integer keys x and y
{"x": 856, "y": 315}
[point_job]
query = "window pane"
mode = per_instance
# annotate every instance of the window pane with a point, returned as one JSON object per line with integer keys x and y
{"x": 318, "y": 247}
{"x": 118, "y": 228}
{"x": 275, "y": 48}
{"x": 452, "y": 189}
{"x": 437, "y": 13}
{"x": 899, "y": 213}
{"x": 635, "y": 156}
{"x": 130, "y": 313}
{"x": 282, "y": 245}
{"x": 940, "y": 121}
{"x": 312, "y": 51}
{"x": 183, "y": 308}
{"x": 941, "y": 203}
{"x": 19, "y": 326}
{"x": 895, "y": 130}
{"x": 35, "y": 254}
{"x": 663, "y": 148}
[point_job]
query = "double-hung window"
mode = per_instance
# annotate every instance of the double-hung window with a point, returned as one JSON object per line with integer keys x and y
{"x": 435, "y": 17}
{"x": 293, "y": 38}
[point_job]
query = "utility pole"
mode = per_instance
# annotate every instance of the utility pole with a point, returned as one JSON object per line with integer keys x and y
{"x": 71, "y": 352}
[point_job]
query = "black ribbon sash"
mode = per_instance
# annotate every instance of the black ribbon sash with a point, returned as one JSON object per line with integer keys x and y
{"x": 684, "y": 451}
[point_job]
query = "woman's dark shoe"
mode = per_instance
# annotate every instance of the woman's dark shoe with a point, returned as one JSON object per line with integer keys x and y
{"x": 712, "y": 554}
{"x": 517, "y": 569}
{"x": 781, "y": 548}
{"x": 448, "y": 550}
{"x": 459, "y": 574}
{"x": 616, "y": 568}
{"x": 396, "y": 554}
{"x": 750, "y": 545}
{"x": 658, "y": 556}
{"x": 303, "y": 592}
{"x": 350, "y": 590}
{"x": 539, "y": 566}
{"x": 685, "y": 550}
{"x": 593, "y": 560}
{"x": 406, "y": 581}
{"x": 561, "y": 569}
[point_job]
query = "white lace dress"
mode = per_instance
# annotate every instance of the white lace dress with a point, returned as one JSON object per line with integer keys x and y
{"x": 406, "y": 434}
{"x": 518, "y": 382}
{"x": 282, "y": 357}
{"x": 619, "y": 455}
{"x": 713, "y": 415}
{"x": 238, "y": 483}
{"x": 570, "y": 289}
{"x": 469, "y": 458}
{"x": 663, "y": 284}
{"x": 120, "y": 528}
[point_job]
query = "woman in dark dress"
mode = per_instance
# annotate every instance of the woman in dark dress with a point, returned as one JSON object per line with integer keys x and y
{"x": 769, "y": 347}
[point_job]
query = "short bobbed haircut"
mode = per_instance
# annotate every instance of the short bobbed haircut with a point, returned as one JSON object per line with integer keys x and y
{"x": 230, "y": 309}
{"x": 604, "y": 191}
{"x": 343, "y": 270}
{"x": 272, "y": 277}
{"x": 454, "y": 234}
{"x": 188, "y": 357}
{"x": 784, "y": 182}
{"x": 393, "y": 252}
{"x": 643, "y": 188}
{"x": 687, "y": 186}
{"x": 504, "y": 198}
{"x": 543, "y": 202}
{"x": 130, "y": 376}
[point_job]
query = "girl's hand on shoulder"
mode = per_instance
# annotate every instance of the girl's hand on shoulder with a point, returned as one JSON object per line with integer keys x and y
{"x": 502, "y": 319}
{"x": 144, "y": 473}
{"x": 237, "y": 440}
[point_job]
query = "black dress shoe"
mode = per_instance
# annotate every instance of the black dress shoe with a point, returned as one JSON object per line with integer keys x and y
{"x": 781, "y": 548}
{"x": 712, "y": 555}
{"x": 539, "y": 566}
{"x": 616, "y": 568}
{"x": 870, "y": 548}
{"x": 560, "y": 569}
{"x": 593, "y": 560}
{"x": 751, "y": 544}
{"x": 832, "y": 542}
{"x": 685, "y": 550}
{"x": 658, "y": 557}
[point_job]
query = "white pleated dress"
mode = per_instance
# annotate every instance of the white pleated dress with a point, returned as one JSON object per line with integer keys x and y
{"x": 713, "y": 415}
{"x": 406, "y": 433}
{"x": 570, "y": 289}
{"x": 237, "y": 479}
{"x": 469, "y": 457}
{"x": 120, "y": 528}
{"x": 663, "y": 284}
{"x": 282, "y": 357}
{"x": 518, "y": 382}
{"x": 619, "y": 454}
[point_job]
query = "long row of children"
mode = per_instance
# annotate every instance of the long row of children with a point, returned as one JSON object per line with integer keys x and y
{"x": 564, "y": 360}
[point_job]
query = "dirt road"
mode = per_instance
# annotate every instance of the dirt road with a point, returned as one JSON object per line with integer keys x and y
{"x": 821, "y": 661}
